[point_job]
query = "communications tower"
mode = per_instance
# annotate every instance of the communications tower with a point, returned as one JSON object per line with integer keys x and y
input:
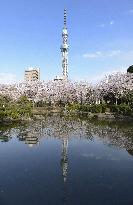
{"x": 64, "y": 48}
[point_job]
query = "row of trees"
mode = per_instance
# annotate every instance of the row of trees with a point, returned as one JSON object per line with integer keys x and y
{"x": 114, "y": 91}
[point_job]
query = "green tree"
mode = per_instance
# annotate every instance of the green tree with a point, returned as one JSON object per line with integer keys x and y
{"x": 130, "y": 69}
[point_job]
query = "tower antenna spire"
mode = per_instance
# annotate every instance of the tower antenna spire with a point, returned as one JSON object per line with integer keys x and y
{"x": 65, "y": 48}
{"x": 65, "y": 17}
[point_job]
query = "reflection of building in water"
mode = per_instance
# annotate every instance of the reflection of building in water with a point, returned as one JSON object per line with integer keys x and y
{"x": 29, "y": 139}
{"x": 32, "y": 134}
{"x": 64, "y": 158}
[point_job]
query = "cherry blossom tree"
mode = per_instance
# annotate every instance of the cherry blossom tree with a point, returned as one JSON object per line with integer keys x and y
{"x": 112, "y": 89}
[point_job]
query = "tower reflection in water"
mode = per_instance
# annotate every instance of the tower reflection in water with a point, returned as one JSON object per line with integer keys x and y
{"x": 35, "y": 132}
{"x": 31, "y": 140}
{"x": 64, "y": 158}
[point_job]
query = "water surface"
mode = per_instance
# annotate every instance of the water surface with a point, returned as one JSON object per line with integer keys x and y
{"x": 66, "y": 161}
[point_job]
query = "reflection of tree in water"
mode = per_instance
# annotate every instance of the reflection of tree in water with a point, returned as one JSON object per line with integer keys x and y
{"x": 6, "y": 133}
{"x": 4, "y": 138}
{"x": 130, "y": 152}
{"x": 114, "y": 134}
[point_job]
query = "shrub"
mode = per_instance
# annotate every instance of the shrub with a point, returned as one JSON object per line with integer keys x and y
{"x": 2, "y": 114}
{"x": 104, "y": 108}
{"x": 97, "y": 108}
{"x": 114, "y": 108}
{"x": 125, "y": 109}
{"x": 15, "y": 115}
{"x": 121, "y": 109}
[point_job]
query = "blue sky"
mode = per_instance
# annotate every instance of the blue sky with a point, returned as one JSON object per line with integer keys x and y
{"x": 100, "y": 37}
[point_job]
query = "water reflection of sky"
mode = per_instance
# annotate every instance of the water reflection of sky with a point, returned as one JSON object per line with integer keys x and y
{"x": 65, "y": 161}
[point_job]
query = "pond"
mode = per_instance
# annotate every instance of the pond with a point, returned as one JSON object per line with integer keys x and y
{"x": 66, "y": 161}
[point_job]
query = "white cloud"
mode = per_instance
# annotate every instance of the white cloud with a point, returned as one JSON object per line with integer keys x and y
{"x": 113, "y": 53}
{"x": 112, "y": 22}
{"x": 102, "y": 25}
{"x": 7, "y": 78}
{"x": 92, "y": 55}
{"x": 100, "y": 54}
